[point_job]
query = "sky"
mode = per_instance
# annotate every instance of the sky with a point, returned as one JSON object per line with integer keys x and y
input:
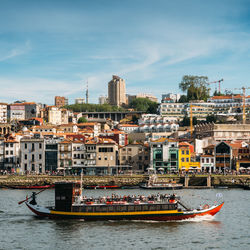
{"x": 50, "y": 48}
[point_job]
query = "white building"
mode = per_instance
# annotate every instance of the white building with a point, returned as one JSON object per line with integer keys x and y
{"x": 78, "y": 154}
{"x": 11, "y": 155}
{"x": 207, "y": 163}
{"x": 79, "y": 100}
{"x": 128, "y": 128}
{"x": 103, "y": 100}
{"x": 3, "y": 112}
{"x": 174, "y": 97}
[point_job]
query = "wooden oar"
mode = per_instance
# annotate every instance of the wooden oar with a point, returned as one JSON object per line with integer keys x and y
{"x": 27, "y": 198}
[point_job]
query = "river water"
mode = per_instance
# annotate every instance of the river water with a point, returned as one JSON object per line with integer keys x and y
{"x": 229, "y": 229}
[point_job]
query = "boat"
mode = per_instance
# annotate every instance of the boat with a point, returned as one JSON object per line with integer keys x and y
{"x": 71, "y": 204}
{"x": 154, "y": 184}
{"x": 48, "y": 186}
{"x": 102, "y": 187}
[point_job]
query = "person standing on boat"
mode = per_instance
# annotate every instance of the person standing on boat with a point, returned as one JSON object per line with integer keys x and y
{"x": 33, "y": 201}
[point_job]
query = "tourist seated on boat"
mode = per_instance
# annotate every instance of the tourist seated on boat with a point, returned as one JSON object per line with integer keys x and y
{"x": 172, "y": 198}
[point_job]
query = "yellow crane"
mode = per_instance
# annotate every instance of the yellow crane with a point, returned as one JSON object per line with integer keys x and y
{"x": 191, "y": 118}
{"x": 244, "y": 103}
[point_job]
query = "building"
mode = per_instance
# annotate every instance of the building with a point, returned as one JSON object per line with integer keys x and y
{"x": 178, "y": 110}
{"x": 106, "y": 156}
{"x": 120, "y": 137}
{"x": 128, "y": 128}
{"x": 78, "y": 155}
{"x": 161, "y": 157}
{"x": 3, "y": 112}
{"x": 79, "y": 100}
{"x": 117, "y": 91}
{"x": 223, "y": 132}
{"x": 187, "y": 158}
{"x": 136, "y": 156}
{"x": 51, "y": 154}
{"x": 5, "y": 128}
{"x": 32, "y": 155}
{"x": 171, "y": 96}
{"x": 65, "y": 155}
{"x": 1, "y": 153}
{"x": 61, "y": 101}
{"x": 11, "y": 154}
{"x": 130, "y": 98}
{"x": 103, "y": 100}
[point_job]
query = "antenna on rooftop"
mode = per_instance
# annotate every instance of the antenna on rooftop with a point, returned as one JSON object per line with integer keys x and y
{"x": 87, "y": 92}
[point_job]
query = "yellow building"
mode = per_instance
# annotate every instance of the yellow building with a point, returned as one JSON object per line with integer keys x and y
{"x": 187, "y": 158}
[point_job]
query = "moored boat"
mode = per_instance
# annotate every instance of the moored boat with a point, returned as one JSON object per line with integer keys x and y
{"x": 154, "y": 184}
{"x": 69, "y": 203}
{"x": 32, "y": 186}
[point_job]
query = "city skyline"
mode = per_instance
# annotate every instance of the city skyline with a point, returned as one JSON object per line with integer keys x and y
{"x": 54, "y": 48}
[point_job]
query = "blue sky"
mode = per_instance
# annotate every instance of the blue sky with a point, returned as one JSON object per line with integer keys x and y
{"x": 50, "y": 48}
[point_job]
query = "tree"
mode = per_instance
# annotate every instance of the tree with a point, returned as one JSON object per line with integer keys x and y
{"x": 186, "y": 121}
{"x": 82, "y": 120}
{"x": 145, "y": 105}
{"x": 211, "y": 118}
{"x": 183, "y": 99}
{"x": 195, "y": 86}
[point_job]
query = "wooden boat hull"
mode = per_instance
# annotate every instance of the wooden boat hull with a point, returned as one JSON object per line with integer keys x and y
{"x": 165, "y": 215}
{"x": 170, "y": 187}
{"x": 32, "y": 187}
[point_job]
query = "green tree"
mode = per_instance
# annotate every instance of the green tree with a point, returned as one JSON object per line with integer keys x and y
{"x": 93, "y": 108}
{"x": 195, "y": 86}
{"x": 211, "y": 118}
{"x": 186, "y": 121}
{"x": 183, "y": 99}
{"x": 82, "y": 120}
{"x": 145, "y": 105}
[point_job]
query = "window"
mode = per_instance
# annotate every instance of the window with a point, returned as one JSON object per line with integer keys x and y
{"x": 187, "y": 159}
{"x": 25, "y": 166}
{"x": 33, "y": 146}
{"x": 40, "y": 145}
{"x": 105, "y": 158}
{"x": 25, "y": 145}
{"x": 183, "y": 152}
{"x": 140, "y": 158}
{"x": 202, "y": 160}
{"x": 33, "y": 157}
{"x": 187, "y": 152}
{"x": 40, "y": 156}
{"x": 207, "y": 160}
{"x": 7, "y": 152}
{"x": 11, "y": 145}
{"x": 182, "y": 159}
{"x": 11, "y": 152}
{"x": 99, "y": 158}
{"x": 124, "y": 158}
{"x": 212, "y": 160}
{"x": 25, "y": 157}
{"x": 33, "y": 167}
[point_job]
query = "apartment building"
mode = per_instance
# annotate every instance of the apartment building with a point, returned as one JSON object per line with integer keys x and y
{"x": 65, "y": 155}
{"x": 136, "y": 156}
{"x": 3, "y": 112}
{"x": 32, "y": 155}
{"x": 117, "y": 91}
{"x": 11, "y": 155}
{"x": 61, "y": 101}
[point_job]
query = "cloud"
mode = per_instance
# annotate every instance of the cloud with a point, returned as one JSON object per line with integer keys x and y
{"x": 20, "y": 50}
{"x": 35, "y": 89}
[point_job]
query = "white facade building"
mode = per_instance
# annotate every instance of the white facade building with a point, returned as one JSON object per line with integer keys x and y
{"x": 3, "y": 112}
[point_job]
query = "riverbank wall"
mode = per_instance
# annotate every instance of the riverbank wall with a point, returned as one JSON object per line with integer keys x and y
{"x": 231, "y": 181}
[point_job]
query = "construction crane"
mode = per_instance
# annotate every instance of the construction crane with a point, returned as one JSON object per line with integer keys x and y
{"x": 244, "y": 103}
{"x": 219, "y": 81}
{"x": 191, "y": 118}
